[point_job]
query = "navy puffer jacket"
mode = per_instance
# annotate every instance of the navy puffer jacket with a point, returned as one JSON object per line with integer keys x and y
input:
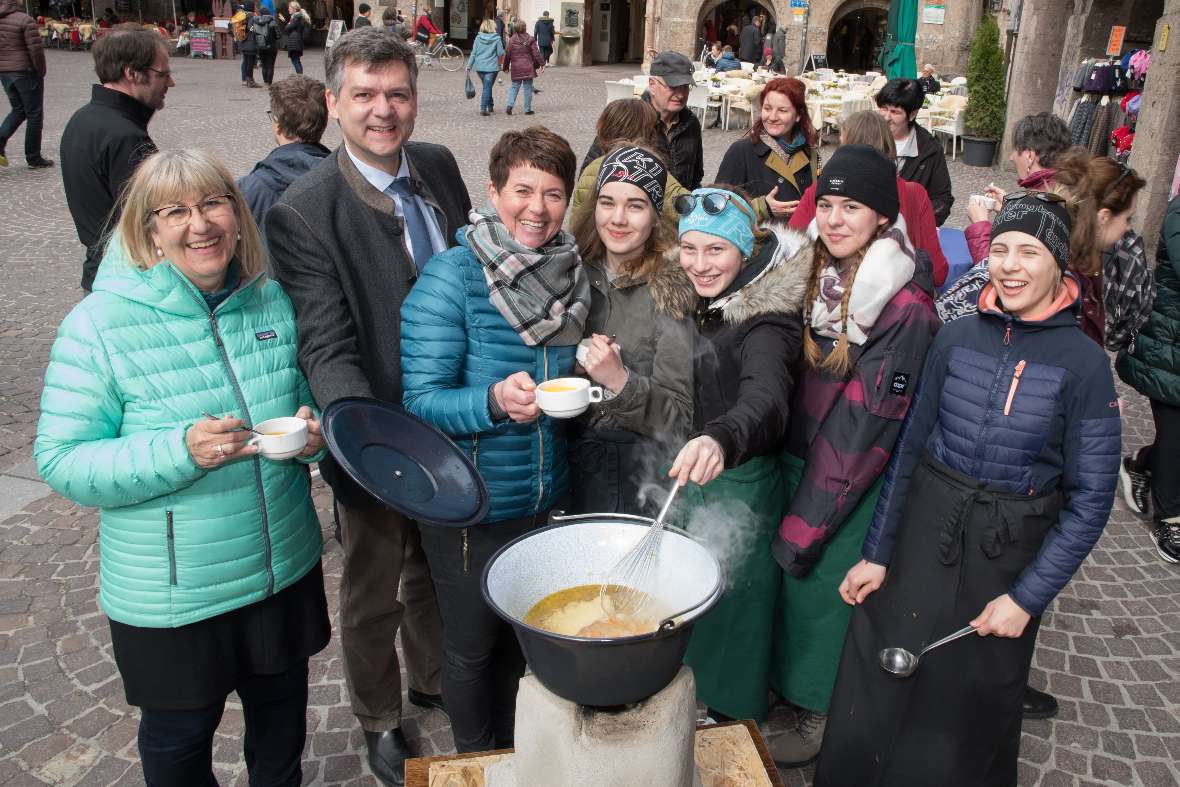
{"x": 1025, "y": 407}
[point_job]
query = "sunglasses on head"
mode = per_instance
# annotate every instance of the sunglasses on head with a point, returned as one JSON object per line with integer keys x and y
{"x": 1126, "y": 171}
{"x": 1043, "y": 196}
{"x": 713, "y": 203}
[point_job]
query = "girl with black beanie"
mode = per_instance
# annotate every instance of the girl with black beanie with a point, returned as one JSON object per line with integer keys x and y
{"x": 867, "y": 326}
{"x": 999, "y": 486}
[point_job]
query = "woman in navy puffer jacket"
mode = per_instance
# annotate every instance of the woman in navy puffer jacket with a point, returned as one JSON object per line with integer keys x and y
{"x": 1000, "y": 485}
{"x": 486, "y": 323}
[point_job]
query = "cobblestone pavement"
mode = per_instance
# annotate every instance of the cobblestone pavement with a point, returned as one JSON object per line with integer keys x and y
{"x": 1110, "y": 648}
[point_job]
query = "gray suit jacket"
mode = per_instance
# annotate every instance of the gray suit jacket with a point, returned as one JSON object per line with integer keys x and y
{"x": 338, "y": 249}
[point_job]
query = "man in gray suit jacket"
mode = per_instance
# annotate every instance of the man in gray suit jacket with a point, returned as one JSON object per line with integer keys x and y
{"x": 346, "y": 242}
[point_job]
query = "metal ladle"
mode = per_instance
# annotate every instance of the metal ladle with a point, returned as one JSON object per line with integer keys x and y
{"x": 902, "y": 663}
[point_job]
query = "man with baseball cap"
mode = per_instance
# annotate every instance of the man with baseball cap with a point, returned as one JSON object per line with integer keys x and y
{"x": 680, "y": 131}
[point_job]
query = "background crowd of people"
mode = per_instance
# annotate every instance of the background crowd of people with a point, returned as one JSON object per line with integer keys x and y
{"x": 775, "y": 342}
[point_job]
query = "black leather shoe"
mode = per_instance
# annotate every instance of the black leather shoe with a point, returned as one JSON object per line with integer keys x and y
{"x": 1038, "y": 704}
{"x": 424, "y": 700}
{"x": 39, "y": 163}
{"x": 388, "y": 752}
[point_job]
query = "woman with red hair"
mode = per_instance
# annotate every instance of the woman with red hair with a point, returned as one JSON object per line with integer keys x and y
{"x": 779, "y": 157}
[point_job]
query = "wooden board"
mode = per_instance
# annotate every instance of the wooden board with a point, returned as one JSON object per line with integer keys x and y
{"x": 418, "y": 769}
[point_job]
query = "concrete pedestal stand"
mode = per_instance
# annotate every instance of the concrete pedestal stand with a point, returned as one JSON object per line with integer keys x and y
{"x": 649, "y": 744}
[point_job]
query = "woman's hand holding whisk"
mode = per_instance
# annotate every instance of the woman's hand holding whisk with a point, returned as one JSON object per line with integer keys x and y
{"x": 700, "y": 460}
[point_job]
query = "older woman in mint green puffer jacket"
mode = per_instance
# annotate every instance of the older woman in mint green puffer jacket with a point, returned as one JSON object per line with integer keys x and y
{"x": 210, "y": 553}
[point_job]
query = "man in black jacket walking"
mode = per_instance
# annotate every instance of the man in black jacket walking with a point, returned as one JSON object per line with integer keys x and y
{"x": 543, "y": 32}
{"x": 346, "y": 242}
{"x": 106, "y": 139}
{"x": 919, "y": 156}
{"x": 750, "y": 42}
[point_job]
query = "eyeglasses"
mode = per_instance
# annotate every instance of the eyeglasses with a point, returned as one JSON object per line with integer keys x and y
{"x": 712, "y": 203}
{"x": 165, "y": 74}
{"x": 177, "y": 216}
{"x": 1043, "y": 196}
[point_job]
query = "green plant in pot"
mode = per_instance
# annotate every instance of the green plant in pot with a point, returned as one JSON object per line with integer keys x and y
{"x": 984, "y": 118}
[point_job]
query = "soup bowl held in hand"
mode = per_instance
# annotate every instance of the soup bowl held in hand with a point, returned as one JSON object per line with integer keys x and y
{"x": 280, "y": 438}
{"x": 566, "y": 397}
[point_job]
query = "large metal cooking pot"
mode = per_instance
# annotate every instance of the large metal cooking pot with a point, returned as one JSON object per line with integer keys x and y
{"x": 581, "y": 550}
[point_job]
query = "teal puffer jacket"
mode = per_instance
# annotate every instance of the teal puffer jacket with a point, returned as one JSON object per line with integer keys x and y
{"x": 133, "y": 367}
{"x": 455, "y": 345}
{"x": 1153, "y": 368}
{"x": 486, "y": 53}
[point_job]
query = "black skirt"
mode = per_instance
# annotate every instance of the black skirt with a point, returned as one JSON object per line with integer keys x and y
{"x": 197, "y": 665}
{"x": 956, "y": 721}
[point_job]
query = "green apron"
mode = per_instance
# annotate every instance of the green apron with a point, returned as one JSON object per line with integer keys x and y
{"x": 729, "y": 651}
{"x": 811, "y": 618}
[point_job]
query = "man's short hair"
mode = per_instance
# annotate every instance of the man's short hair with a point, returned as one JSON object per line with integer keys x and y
{"x": 372, "y": 47}
{"x": 1044, "y": 134}
{"x": 364, "y": 8}
{"x": 121, "y": 49}
{"x": 298, "y": 107}
{"x": 537, "y": 147}
{"x": 904, "y": 93}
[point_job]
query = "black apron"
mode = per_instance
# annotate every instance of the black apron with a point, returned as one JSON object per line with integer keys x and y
{"x": 956, "y": 721}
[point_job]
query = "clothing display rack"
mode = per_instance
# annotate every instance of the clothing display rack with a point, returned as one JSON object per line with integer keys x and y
{"x": 1103, "y": 117}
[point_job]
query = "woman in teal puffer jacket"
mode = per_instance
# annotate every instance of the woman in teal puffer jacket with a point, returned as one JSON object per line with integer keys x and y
{"x": 210, "y": 554}
{"x": 1151, "y": 365}
{"x": 486, "y": 55}
{"x": 487, "y": 322}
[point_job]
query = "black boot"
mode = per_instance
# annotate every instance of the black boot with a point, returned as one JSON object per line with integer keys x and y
{"x": 388, "y": 752}
{"x": 1038, "y": 704}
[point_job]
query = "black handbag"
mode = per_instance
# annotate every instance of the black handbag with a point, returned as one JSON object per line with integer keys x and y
{"x": 469, "y": 87}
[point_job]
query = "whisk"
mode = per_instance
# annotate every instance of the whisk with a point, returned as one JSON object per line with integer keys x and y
{"x": 627, "y": 590}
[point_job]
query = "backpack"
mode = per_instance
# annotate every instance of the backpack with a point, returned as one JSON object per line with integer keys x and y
{"x": 1128, "y": 291}
{"x": 237, "y": 26}
{"x": 266, "y": 34}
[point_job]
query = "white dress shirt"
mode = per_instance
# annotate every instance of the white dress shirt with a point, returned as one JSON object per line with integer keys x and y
{"x": 380, "y": 180}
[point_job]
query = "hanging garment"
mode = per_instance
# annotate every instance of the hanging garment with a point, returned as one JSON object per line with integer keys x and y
{"x": 1100, "y": 128}
{"x": 1083, "y": 117}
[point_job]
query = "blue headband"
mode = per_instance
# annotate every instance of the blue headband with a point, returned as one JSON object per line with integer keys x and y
{"x": 731, "y": 224}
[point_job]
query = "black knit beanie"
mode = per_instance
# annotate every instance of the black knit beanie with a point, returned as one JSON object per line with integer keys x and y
{"x": 1034, "y": 214}
{"x": 861, "y": 173}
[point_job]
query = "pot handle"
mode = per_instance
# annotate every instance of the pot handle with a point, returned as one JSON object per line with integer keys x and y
{"x": 669, "y": 623}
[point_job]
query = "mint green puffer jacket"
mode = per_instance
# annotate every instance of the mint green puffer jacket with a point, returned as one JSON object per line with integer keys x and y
{"x": 133, "y": 367}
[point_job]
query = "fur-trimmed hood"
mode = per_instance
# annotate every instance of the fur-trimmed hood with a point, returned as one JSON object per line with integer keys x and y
{"x": 778, "y": 287}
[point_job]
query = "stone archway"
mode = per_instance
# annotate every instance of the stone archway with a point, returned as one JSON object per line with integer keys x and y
{"x": 856, "y": 34}
{"x": 709, "y": 9}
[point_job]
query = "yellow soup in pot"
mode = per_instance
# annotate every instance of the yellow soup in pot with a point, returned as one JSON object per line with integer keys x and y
{"x": 556, "y": 388}
{"x": 578, "y": 612}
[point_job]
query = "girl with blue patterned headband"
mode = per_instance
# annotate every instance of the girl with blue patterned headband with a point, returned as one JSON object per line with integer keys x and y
{"x": 744, "y": 287}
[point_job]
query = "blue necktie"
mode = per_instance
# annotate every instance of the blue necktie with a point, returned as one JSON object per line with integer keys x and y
{"x": 419, "y": 235}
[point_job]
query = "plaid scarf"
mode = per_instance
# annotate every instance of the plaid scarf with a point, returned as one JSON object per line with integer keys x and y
{"x": 544, "y": 294}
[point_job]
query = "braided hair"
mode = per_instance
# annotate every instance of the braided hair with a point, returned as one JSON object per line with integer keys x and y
{"x": 837, "y": 362}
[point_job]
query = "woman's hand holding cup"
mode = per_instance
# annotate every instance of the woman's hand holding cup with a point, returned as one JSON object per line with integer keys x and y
{"x": 315, "y": 439}
{"x": 517, "y": 396}
{"x": 214, "y": 441}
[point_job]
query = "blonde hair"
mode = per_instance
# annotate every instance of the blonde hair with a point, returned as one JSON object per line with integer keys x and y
{"x": 837, "y": 362}
{"x": 488, "y": 26}
{"x": 164, "y": 178}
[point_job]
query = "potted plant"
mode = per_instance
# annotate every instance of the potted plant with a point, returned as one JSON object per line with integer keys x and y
{"x": 984, "y": 118}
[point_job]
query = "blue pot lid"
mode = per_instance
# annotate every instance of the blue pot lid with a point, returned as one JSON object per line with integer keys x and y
{"x": 406, "y": 463}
